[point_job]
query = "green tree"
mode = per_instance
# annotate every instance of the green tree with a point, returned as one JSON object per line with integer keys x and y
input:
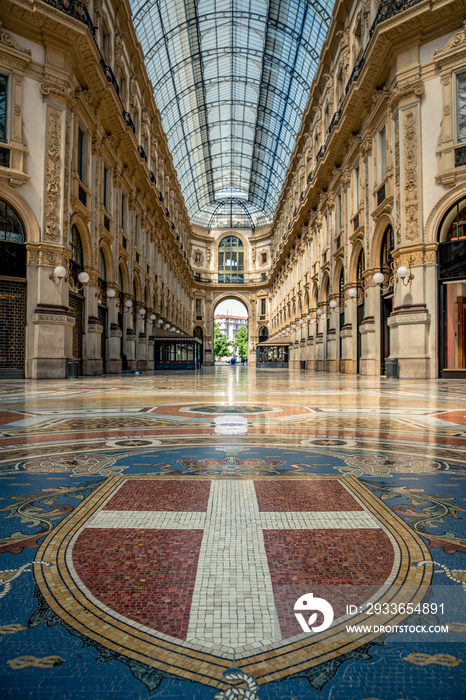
{"x": 222, "y": 346}
{"x": 241, "y": 342}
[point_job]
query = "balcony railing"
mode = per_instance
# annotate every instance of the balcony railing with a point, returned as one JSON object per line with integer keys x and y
{"x": 74, "y": 8}
{"x": 232, "y": 278}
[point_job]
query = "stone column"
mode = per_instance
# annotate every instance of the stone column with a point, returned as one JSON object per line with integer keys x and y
{"x": 114, "y": 363}
{"x": 92, "y": 361}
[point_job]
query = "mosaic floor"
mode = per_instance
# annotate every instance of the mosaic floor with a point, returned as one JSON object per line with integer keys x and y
{"x": 233, "y": 533}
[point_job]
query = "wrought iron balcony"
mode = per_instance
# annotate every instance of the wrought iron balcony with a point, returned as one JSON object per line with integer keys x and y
{"x": 74, "y": 8}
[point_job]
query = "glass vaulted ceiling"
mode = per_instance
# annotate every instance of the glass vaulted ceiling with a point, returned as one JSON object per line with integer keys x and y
{"x": 231, "y": 79}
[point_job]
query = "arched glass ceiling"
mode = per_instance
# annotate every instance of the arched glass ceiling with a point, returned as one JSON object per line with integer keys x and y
{"x": 231, "y": 79}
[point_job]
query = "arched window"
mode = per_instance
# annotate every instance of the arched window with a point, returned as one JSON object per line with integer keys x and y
{"x": 11, "y": 227}
{"x": 451, "y": 257}
{"x": 360, "y": 271}
{"x": 231, "y": 260}
{"x": 263, "y": 334}
{"x": 76, "y": 247}
{"x": 386, "y": 251}
{"x": 341, "y": 289}
{"x": 453, "y": 226}
{"x": 102, "y": 266}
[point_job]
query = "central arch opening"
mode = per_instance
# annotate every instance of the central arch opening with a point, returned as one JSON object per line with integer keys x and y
{"x": 231, "y": 333}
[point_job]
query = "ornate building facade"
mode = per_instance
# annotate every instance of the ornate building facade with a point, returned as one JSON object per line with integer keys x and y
{"x": 364, "y": 262}
{"x": 368, "y": 240}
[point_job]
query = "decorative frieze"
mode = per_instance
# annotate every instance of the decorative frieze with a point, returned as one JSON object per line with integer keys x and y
{"x": 53, "y": 175}
{"x": 411, "y": 174}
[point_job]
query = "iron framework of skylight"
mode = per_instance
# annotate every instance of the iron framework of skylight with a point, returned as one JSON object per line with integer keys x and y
{"x": 231, "y": 79}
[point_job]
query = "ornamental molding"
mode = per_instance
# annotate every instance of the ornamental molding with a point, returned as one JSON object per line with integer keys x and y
{"x": 59, "y": 320}
{"x": 454, "y": 45}
{"x": 408, "y": 319}
{"x": 9, "y": 42}
{"x": 399, "y": 92}
{"x": 51, "y": 87}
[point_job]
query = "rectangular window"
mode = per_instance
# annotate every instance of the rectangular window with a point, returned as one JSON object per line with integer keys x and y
{"x": 155, "y": 256}
{"x": 357, "y": 184}
{"x": 123, "y": 87}
{"x": 198, "y": 307}
{"x": 262, "y": 307}
{"x": 197, "y": 258}
{"x": 264, "y": 258}
{"x": 338, "y": 213}
{"x": 123, "y": 212}
{"x": 382, "y": 154}
{"x": 3, "y": 107}
{"x": 106, "y": 189}
{"x": 461, "y": 105}
{"x": 82, "y": 155}
{"x": 136, "y": 231}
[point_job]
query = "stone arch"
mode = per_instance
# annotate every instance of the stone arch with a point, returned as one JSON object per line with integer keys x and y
{"x": 24, "y": 211}
{"x": 81, "y": 225}
{"x": 107, "y": 253}
{"x": 439, "y": 210}
{"x": 373, "y": 260}
{"x": 353, "y": 264}
{"x": 335, "y": 285}
{"x": 306, "y": 301}
{"x": 123, "y": 268}
{"x": 314, "y": 295}
{"x": 137, "y": 287}
{"x": 325, "y": 287}
{"x": 222, "y": 296}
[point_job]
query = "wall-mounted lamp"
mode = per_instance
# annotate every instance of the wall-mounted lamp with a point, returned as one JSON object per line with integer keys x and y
{"x": 152, "y": 318}
{"x": 142, "y": 312}
{"x": 59, "y": 273}
{"x": 356, "y": 294}
{"x": 402, "y": 273}
{"x": 319, "y": 312}
{"x": 104, "y": 296}
{"x": 333, "y": 305}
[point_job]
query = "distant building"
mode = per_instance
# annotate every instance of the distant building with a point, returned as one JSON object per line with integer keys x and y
{"x": 230, "y": 325}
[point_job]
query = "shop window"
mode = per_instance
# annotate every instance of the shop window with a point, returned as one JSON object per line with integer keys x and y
{"x": 12, "y": 238}
{"x": 11, "y": 227}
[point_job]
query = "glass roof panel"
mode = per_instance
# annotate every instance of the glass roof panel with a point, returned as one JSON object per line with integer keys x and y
{"x": 243, "y": 69}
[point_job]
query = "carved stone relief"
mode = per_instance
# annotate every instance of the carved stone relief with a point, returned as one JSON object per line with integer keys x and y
{"x": 53, "y": 170}
{"x": 411, "y": 182}
{"x": 397, "y": 181}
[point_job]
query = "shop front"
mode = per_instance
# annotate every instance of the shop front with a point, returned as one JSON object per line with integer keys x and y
{"x": 174, "y": 351}
{"x": 273, "y": 354}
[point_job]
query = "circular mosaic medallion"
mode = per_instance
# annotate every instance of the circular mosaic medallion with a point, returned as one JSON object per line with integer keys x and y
{"x": 231, "y": 409}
